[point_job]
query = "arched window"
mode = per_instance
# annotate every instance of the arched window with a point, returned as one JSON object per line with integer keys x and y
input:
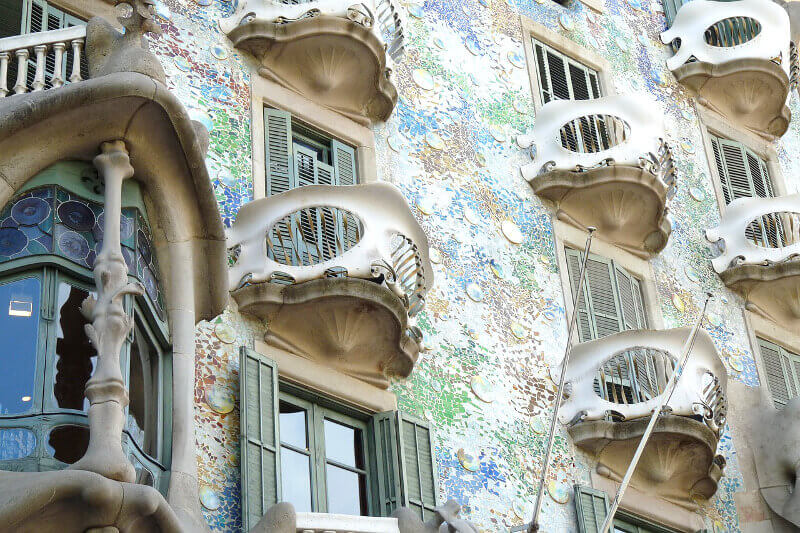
{"x": 50, "y": 234}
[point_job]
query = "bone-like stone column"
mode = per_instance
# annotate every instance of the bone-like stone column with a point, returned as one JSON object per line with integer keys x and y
{"x": 110, "y": 326}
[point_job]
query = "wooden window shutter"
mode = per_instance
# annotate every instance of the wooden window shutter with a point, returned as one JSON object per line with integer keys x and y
{"x": 585, "y": 331}
{"x": 344, "y": 163}
{"x": 387, "y": 453}
{"x": 545, "y": 91}
{"x": 592, "y": 508}
{"x": 278, "y": 151}
{"x": 418, "y": 474}
{"x": 630, "y": 299}
{"x": 260, "y": 437}
{"x": 783, "y": 370}
{"x": 603, "y": 304}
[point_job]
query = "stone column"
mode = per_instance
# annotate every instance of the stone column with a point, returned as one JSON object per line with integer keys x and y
{"x": 109, "y": 328}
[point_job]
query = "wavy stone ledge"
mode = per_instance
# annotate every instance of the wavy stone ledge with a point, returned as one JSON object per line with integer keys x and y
{"x": 355, "y": 326}
{"x": 771, "y": 290}
{"x": 749, "y": 92}
{"x": 679, "y": 462}
{"x": 333, "y": 61}
{"x": 627, "y": 205}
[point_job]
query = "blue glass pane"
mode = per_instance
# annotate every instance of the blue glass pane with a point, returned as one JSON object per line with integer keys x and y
{"x": 19, "y": 336}
{"x": 16, "y": 443}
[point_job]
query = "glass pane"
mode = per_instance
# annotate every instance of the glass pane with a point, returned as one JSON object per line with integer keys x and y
{"x": 68, "y": 443}
{"x": 19, "y": 336}
{"x": 293, "y": 425}
{"x": 16, "y": 443}
{"x": 76, "y": 357}
{"x": 143, "y": 475}
{"x": 296, "y": 480}
{"x": 343, "y": 444}
{"x": 142, "y": 421}
{"x": 347, "y": 491}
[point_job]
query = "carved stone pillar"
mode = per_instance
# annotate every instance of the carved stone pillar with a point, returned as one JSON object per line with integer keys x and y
{"x": 109, "y": 328}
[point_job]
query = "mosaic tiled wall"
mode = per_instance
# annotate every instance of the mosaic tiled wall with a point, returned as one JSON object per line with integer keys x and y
{"x": 495, "y": 319}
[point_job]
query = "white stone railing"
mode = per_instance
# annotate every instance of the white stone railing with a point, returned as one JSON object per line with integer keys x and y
{"x": 47, "y": 53}
{"x": 380, "y": 15}
{"x": 577, "y": 135}
{"x": 321, "y": 231}
{"x": 718, "y": 32}
{"x": 757, "y": 231}
{"x": 622, "y": 377}
{"x": 336, "y": 523}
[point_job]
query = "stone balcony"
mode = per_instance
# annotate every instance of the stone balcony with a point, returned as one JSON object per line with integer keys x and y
{"x": 613, "y": 385}
{"x": 337, "y": 53}
{"x": 758, "y": 241}
{"x": 736, "y": 57}
{"x": 339, "y": 274}
{"x": 605, "y": 163}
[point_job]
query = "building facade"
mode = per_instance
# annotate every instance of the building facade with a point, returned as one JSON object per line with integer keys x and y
{"x": 345, "y": 245}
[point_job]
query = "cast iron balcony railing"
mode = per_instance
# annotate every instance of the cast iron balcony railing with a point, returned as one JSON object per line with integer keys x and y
{"x": 758, "y": 245}
{"x": 737, "y": 58}
{"x": 614, "y": 383}
{"x": 604, "y": 163}
{"x": 337, "y": 53}
{"x": 341, "y": 251}
{"x": 39, "y": 61}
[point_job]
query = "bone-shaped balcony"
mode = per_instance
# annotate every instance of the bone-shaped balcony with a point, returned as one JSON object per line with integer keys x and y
{"x": 736, "y": 57}
{"x": 613, "y": 385}
{"x": 337, "y": 53}
{"x": 604, "y": 163}
{"x": 338, "y": 273}
{"x": 758, "y": 241}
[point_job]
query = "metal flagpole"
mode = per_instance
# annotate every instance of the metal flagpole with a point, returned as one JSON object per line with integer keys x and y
{"x": 533, "y": 526}
{"x": 670, "y": 388}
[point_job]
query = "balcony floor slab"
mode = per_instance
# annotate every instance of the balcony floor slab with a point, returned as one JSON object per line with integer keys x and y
{"x": 772, "y": 290}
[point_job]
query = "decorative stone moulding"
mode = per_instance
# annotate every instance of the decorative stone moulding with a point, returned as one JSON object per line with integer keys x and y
{"x": 351, "y": 308}
{"x": 336, "y": 53}
{"x": 619, "y": 181}
{"x": 748, "y": 82}
{"x": 767, "y": 277}
{"x": 680, "y": 463}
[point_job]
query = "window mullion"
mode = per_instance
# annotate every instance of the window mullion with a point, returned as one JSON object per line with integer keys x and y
{"x": 318, "y": 481}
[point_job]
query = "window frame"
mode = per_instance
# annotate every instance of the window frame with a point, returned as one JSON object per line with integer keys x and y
{"x": 713, "y": 125}
{"x": 268, "y": 94}
{"x": 569, "y": 49}
{"x": 318, "y": 410}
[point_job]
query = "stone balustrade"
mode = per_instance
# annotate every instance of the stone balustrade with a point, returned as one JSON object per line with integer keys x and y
{"x": 335, "y": 523}
{"x": 41, "y": 60}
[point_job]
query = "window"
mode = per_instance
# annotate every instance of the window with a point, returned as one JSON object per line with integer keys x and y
{"x": 612, "y": 298}
{"x": 49, "y": 238}
{"x": 743, "y": 174}
{"x": 325, "y": 457}
{"x": 20, "y": 17}
{"x": 592, "y": 507}
{"x": 730, "y": 32}
{"x": 562, "y": 78}
{"x": 783, "y": 372}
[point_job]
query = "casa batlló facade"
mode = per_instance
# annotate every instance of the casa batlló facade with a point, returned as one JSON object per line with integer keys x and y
{"x": 309, "y": 265}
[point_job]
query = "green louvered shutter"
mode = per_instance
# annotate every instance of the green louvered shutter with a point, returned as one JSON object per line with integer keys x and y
{"x": 279, "y": 176}
{"x": 783, "y": 372}
{"x": 630, "y": 299}
{"x": 258, "y": 411}
{"x": 585, "y": 331}
{"x": 344, "y": 162}
{"x": 592, "y": 508}
{"x": 418, "y": 475}
{"x": 387, "y": 453}
{"x": 605, "y": 313}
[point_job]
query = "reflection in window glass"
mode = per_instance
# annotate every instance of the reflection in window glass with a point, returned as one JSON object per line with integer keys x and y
{"x": 293, "y": 425}
{"x": 143, "y": 409}
{"x": 347, "y": 491}
{"x": 16, "y": 443}
{"x": 76, "y": 357}
{"x": 343, "y": 444}
{"x": 19, "y": 335}
{"x": 296, "y": 480}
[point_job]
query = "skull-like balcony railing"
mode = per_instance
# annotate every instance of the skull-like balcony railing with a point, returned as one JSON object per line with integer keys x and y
{"x": 737, "y": 58}
{"x": 612, "y": 386}
{"x": 605, "y": 163}
{"x": 338, "y": 272}
{"x": 758, "y": 241}
{"x": 337, "y": 53}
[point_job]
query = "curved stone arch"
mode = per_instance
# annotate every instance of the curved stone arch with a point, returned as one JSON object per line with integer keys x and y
{"x": 167, "y": 151}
